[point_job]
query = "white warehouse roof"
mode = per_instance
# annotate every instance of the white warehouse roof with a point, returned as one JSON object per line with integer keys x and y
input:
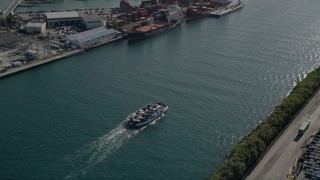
{"x": 91, "y": 18}
{"x": 61, "y": 15}
{"x": 37, "y": 24}
{"x": 91, "y": 34}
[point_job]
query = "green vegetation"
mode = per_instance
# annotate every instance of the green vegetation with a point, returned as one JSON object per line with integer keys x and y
{"x": 10, "y": 19}
{"x": 7, "y": 21}
{"x": 249, "y": 149}
{"x": 2, "y": 22}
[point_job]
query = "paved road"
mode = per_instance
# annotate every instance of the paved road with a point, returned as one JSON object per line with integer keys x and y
{"x": 281, "y": 156}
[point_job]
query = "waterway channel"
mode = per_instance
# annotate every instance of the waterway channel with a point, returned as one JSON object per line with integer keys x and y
{"x": 220, "y": 78}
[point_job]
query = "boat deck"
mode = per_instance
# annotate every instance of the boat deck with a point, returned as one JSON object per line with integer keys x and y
{"x": 154, "y": 26}
{"x": 227, "y": 10}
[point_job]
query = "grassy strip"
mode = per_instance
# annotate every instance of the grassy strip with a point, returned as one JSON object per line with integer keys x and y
{"x": 249, "y": 149}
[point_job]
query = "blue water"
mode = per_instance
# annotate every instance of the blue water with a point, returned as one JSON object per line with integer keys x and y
{"x": 220, "y": 78}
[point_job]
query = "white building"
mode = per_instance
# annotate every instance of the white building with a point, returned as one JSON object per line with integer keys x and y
{"x": 67, "y": 18}
{"x": 33, "y": 28}
{"x": 31, "y": 54}
{"x": 94, "y": 36}
{"x": 92, "y": 21}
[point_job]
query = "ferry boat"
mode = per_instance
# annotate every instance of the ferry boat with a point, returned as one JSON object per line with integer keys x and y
{"x": 172, "y": 18}
{"x": 193, "y": 14}
{"x": 227, "y": 9}
{"x": 203, "y": 9}
{"x": 147, "y": 114}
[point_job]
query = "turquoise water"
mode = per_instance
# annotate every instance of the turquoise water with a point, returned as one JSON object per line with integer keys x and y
{"x": 220, "y": 78}
{"x": 4, "y": 4}
{"x": 73, "y": 4}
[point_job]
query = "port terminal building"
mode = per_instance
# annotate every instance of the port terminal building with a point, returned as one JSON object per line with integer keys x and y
{"x": 35, "y": 27}
{"x": 91, "y": 37}
{"x": 67, "y": 18}
{"x": 92, "y": 21}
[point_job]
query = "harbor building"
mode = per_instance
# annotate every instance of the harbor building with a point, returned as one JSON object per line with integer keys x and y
{"x": 35, "y": 27}
{"x": 56, "y": 19}
{"x": 94, "y": 36}
{"x": 92, "y": 21}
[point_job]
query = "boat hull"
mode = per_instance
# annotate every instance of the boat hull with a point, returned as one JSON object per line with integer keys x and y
{"x": 135, "y": 36}
{"x": 192, "y": 18}
{"x": 220, "y": 13}
{"x": 144, "y": 123}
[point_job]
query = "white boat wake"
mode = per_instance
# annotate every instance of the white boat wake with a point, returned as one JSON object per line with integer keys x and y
{"x": 97, "y": 151}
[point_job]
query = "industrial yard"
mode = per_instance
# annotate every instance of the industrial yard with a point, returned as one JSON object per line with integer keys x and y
{"x": 36, "y": 37}
{"x": 33, "y": 36}
{"x": 17, "y": 49}
{"x": 307, "y": 165}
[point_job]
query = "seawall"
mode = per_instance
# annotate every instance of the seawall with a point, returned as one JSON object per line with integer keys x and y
{"x": 38, "y": 63}
{"x": 251, "y": 149}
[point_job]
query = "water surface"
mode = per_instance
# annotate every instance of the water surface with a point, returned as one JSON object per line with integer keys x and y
{"x": 220, "y": 78}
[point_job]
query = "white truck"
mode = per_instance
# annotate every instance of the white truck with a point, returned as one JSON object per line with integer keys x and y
{"x": 304, "y": 126}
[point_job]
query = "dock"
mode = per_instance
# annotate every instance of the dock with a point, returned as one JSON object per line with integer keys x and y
{"x": 11, "y": 8}
{"x": 119, "y": 37}
{"x": 227, "y": 10}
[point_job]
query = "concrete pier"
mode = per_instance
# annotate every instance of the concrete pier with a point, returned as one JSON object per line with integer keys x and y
{"x": 11, "y": 7}
{"x": 227, "y": 10}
